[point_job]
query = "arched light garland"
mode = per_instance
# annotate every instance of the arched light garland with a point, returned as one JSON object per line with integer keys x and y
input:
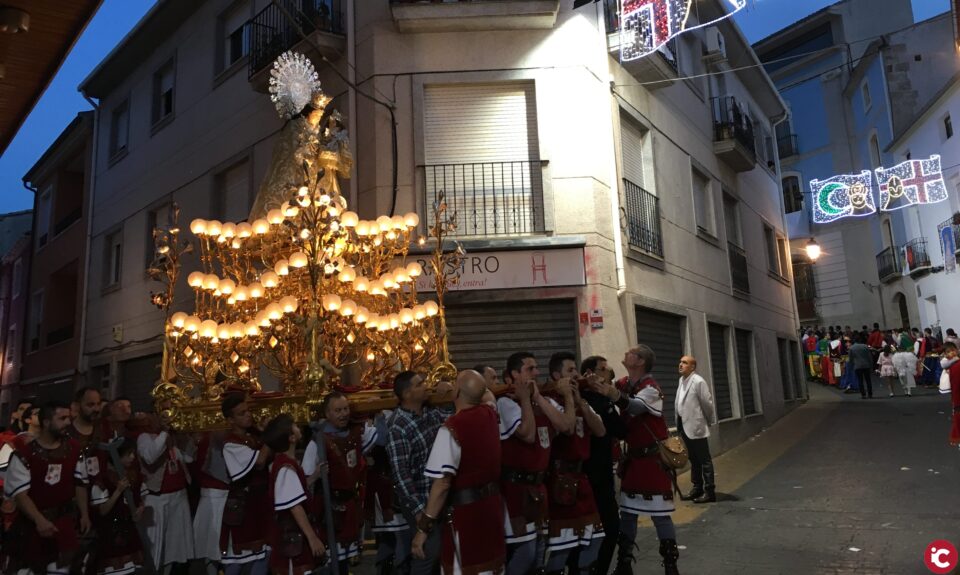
{"x": 646, "y": 25}
{"x": 842, "y": 196}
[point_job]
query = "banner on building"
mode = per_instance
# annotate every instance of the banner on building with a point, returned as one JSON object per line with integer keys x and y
{"x": 948, "y": 243}
{"x": 646, "y": 25}
{"x": 842, "y": 196}
{"x": 911, "y": 182}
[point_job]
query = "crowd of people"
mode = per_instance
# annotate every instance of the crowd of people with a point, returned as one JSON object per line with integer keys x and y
{"x": 496, "y": 472}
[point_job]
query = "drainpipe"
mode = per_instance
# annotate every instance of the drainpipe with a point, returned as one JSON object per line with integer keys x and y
{"x": 81, "y": 360}
{"x": 352, "y": 95}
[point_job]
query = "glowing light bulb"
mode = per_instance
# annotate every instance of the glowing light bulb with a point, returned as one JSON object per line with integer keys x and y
{"x": 289, "y": 211}
{"x": 414, "y": 269}
{"x": 192, "y": 324}
{"x": 244, "y": 230}
{"x": 406, "y": 315}
{"x": 384, "y": 223}
{"x": 383, "y": 324}
{"x": 210, "y": 282}
{"x": 274, "y": 311}
{"x": 213, "y": 228}
{"x": 298, "y": 260}
{"x": 411, "y": 219}
{"x": 348, "y": 307}
{"x": 255, "y": 290}
{"x": 275, "y": 217}
{"x": 198, "y": 227}
{"x": 229, "y": 230}
{"x": 281, "y": 267}
{"x": 361, "y": 315}
{"x": 223, "y": 331}
{"x": 208, "y": 329}
{"x": 431, "y": 308}
{"x": 261, "y": 226}
{"x": 363, "y": 228}
{"x": 397, "y": 223}
{"x": 242, "y": 293}
{"x": 376, "y": 288}
{"x": 226, "y": 286}
{"x": 178, "y": 319}
{"x": 303, "y": 191}
{"x": 270, "y": 279}
{"x": 262, "y": 318}
{"x": 251, "y": 329}
{"x": 349, "y": 219}
{"x": 347, "y": 275}
{"x": 331, "y": 302}
{"x": 195, "y": 279}
{"x": 419, "y": 312}
{"x": 388, "y": 281}
{"x": 361, "y": 284}
{"x": 333, "y": 211}
{"x": 289, "y": 304}
{"x": 324, "y": 199}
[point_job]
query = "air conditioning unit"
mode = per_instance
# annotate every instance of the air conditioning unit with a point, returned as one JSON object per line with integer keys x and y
{"x": 716, "y": 45}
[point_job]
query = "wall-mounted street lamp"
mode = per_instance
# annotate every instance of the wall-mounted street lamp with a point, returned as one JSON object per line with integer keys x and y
{"x": 813, "y": 250}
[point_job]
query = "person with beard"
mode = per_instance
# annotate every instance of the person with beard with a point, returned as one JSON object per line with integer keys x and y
{"x": 119, "y": 548}
{"x": 47, "y": 479}
{"x": 16, "y": 418}
{"x": 86, "y": 429}
{"x": 242, "y": 537}
{"x": 346, "y": 443}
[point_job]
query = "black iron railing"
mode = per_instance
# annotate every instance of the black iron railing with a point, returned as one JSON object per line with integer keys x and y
{"x": 490, "y": 198}
{"x": 58, "y": 335}
{"x": 953, "y": 222}
{"x": 888, "y": 264}
{"x": 66, "y": 221}
{"x": 271, "y": 33}
{"x": 738, "y": 268}
{"x": 787, "y": 146}
{"x": 730, "y": 121}
{"x": 915, "y": 254}
{"x": 643, "y": 219}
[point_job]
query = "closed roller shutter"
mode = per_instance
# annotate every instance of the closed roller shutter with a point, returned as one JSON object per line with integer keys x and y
{"x": 233, "y": 198}
{"x": 720, "y": 364}
{"x": 745, "y": 370}
{"x": 138, "y": 378}
{"x": 785, "y": 366}
{"x": 795, "y": 363}
{"x": 488, "y": 333}
{"x": 481, "y": 149}
{"x": 631, "y": 144}
{"x": 663, "y": 332}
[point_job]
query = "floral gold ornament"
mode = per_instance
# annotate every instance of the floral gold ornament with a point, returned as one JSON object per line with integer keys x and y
{"x": 305, "y": 293}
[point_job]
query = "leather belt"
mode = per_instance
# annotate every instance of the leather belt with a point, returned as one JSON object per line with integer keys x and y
{"x": 567, "y": 466}
{"x": 641, "y": 452}
{"x": 473, "y": 494}
{"x": 54, "y": 513}
{"x": 524, "y": 477}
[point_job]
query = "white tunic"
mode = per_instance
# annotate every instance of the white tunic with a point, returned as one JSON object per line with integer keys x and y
{"x": 240, "y": 460}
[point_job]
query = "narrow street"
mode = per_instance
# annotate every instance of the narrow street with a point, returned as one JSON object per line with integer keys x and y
{"x": 841, "y": 485}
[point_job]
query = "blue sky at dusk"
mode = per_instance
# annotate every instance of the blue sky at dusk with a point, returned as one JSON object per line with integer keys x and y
{"x": 61, "y": 102}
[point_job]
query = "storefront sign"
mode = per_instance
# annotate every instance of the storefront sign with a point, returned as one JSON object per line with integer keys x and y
{"x": 511, "y": 270}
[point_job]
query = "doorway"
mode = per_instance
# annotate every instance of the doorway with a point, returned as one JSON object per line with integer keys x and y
{"x": 901, "y": 301}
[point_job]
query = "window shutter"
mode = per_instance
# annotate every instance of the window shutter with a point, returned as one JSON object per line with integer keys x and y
{"x": 631, "y": 144}
{"x": 234, "y": 193}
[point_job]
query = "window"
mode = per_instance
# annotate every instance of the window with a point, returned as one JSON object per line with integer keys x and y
{"x": 234, "y": 40}
{"x": 163, "y": 84}
{"x": 231, "y": 198}
{"x": 783, "y": 249}
{"x": 731, "y": 220}
{"x": 865, "y": 94}
{"x": 792, "y": 195}
{"x": 112, "y": 259}
{"x": 44, "y": 213}
{"x": 703, "y": 202}
{"x": 36, "y": 320}
{"x": 11, "y": 344}
{"x": 119, "y": 128}
{"x": 631, "y": 150}
{"x": 887, "y": 234}
{"x": 17, "y": 278}
{"x": 773, "y": 257}
{"x": 874, "y": 152}
{"x": 158, "y": 217}
{"x": 947, "y": 127}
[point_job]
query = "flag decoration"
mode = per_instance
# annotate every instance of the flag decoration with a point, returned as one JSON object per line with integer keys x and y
{"x": 646, "y": 25}
{"x": 911, "y": 182}
{"x": 842, "y": 196}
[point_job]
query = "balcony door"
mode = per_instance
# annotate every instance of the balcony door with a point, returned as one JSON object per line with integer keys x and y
{"x": 481, "y": 149}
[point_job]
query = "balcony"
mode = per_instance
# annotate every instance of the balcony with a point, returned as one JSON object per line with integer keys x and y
{"x": 733, "y": 139}
{"x": 917, "y": 261}
{"x": 655, "y": 71}
{"x": 643, "y": 220}
{"x": 272, "y": 33}
{"x": 738, "y": 268}
{"x": 473, "y": 15}
{"x": 954, "y": 224}
{"x": 889, "y": 267}
{"x": 489, "y": 198}
{"x": 787, "y": 146}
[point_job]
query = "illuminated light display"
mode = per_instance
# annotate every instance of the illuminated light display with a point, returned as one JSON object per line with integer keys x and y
{"x": 646, "y": 25}
{"x": 842, "y": 196}
{"x": 911, "y": 182}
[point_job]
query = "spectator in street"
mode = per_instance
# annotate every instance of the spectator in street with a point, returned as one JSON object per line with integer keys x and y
{"x": 886, "y": 370}
{"x": 951, "y": 337}
{"x": 906, "y": 364}
{"x": 861, "y": 361}
{"x": 490, "y": 376}
{"x": 951, "y": 365}
{"x": 695, "y": 414}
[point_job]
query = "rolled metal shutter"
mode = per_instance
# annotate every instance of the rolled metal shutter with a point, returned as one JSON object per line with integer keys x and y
{"x": 720, "y": 365}
{"x": 137, "y": 379}
{"x": 631, "y": 150}
{"x": 235, "y": 192}
{"x": 663, "y": 332}
{"x": 487, "y": 333}
{"x": 745, "y": 370}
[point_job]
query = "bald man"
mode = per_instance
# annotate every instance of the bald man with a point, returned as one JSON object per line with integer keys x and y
{"x": 695, "y": 414}
{"x": 465, "y": 466}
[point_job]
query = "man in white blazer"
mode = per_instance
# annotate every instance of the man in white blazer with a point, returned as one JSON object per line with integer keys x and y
{"x": 695, "y": 414}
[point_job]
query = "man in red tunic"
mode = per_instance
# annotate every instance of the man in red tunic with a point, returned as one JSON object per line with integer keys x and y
{"x": 528, "y": 423}
{"x": 210, "y": 469}
{"x": 47, "y": 481}
{"x": 465, "y": 466}
{"x": 951, "y": 367}
{"x": 242, "y": 537}
{"x": 645, "y": 487}
{"x": 575, "y": 525}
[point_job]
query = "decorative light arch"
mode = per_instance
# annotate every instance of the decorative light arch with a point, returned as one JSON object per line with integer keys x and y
{"x": 646, "y": 25}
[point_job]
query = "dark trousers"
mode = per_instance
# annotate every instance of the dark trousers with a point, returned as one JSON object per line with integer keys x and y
{"x": 431, "y": 564}
{"x": 701, "y": 464}
{"x": 866, "y": 381}
{"x": 606, "y": 497}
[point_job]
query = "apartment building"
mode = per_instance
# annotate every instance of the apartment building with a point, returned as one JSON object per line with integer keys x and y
{"x": 14, "y": 268}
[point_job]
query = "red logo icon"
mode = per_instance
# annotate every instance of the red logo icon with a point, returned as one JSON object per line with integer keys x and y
{"x": 940, "y": 556}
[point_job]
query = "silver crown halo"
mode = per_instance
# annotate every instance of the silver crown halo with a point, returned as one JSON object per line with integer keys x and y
{"x": 293, "y": 82}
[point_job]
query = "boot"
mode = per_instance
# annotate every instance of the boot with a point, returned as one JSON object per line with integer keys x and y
{"x": 385, "y": 567}
{"x": 670, "y": 554}
{"x": 697, "y": 491}
{"x": 709, "y": 496}
{"x": 624, "y": 556}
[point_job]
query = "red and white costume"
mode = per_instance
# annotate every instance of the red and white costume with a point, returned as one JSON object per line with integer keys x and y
{"x": 119, "y": 549}
{"x": 50, "y": 477}
{"x": 645, "y": 488}
{"x": 211, "y": 472}
{"x": 242, "y": 537}
{"x": 348, "y": 471}
{"x": 289, "y": 489}
{"x": 169, "y": 529}
{"x": 468, "y": 449}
